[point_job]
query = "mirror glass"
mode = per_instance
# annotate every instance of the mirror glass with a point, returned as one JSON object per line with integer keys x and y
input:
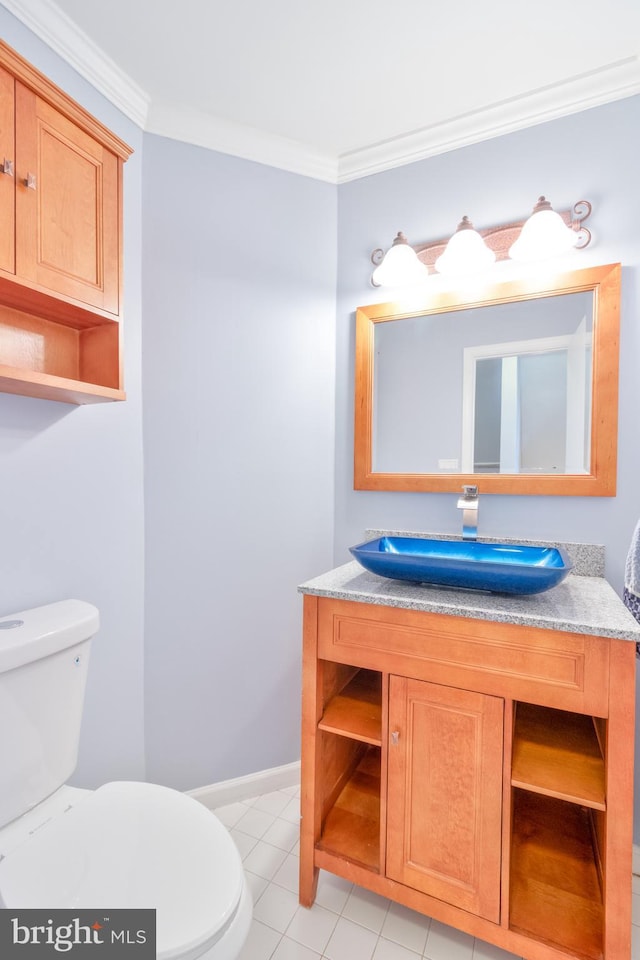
{"x": 513, "y": 375}
{"x": 516, "y": 392}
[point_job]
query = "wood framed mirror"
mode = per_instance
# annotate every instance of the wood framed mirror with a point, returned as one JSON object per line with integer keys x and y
{"x": 514, "y": 389}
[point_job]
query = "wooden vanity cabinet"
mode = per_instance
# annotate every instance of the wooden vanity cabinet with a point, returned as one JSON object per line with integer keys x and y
{"x": 478, "y": 772}
{"x": 61, "y": 246}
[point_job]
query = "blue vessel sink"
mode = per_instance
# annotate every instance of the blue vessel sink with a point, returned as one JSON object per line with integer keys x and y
{"x": 467, "y": 564}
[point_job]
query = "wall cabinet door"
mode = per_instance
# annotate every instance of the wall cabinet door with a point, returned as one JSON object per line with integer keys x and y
{"x": 7, "y": 179}
{"x": 445, "y": 793}
{"x": 67, "y": 206}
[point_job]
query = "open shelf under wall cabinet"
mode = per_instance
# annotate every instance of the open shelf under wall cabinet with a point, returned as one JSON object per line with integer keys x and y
{"x": 75, "y": 362}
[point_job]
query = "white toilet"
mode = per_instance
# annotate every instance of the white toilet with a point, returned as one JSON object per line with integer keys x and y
{"x": 122, "y": 845}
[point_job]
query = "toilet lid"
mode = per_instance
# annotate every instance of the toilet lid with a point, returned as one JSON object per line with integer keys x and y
{"x": 133, "y": 845}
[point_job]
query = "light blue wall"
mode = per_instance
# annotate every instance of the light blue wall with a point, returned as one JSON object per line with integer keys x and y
{"x": 71, "y": 508}
{"x": 239, "y": 357}
{"x": 592, "y": 155}
{"x": 248, "y": 380}
{"x": 239, "y": 273}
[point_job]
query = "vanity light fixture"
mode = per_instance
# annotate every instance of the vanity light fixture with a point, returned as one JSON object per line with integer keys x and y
{"x": 465, "y": 253}
{"x": 544, "y": 235}
{"x": 399, "y": 266}
{"x": 404, "y": 264}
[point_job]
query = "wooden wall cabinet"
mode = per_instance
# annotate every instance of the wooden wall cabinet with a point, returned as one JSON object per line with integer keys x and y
{"x": 61, "y": 246}
{"x": 478, "y": 772}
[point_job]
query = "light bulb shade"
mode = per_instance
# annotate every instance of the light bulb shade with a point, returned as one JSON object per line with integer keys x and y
{"x": 400, "y": 266}
{"x": 544, "y": 235}
{"x": 466, "y": 252}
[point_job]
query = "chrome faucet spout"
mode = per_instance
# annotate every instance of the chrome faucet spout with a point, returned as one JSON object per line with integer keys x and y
{"x": 468, "y": 503}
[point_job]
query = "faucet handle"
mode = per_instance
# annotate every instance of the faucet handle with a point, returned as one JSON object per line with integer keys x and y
{"x": 470, "y": 491}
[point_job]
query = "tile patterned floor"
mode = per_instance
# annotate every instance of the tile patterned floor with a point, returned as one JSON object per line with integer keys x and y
{"x": 346, "y": 922}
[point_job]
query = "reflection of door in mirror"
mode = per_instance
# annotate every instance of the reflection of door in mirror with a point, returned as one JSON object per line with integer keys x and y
{"x": 527, "y": 407}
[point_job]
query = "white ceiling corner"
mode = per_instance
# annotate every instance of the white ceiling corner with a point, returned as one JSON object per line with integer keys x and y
{"x": 240, "y": 140}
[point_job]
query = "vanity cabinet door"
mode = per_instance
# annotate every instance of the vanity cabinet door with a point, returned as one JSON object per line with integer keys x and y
{"x": 67, "y": 206}
{"x": 445, "y": 793}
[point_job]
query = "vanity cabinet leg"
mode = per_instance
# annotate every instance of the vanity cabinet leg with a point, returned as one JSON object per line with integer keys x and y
{"x": 308, "y": 878}
{"x": 309, "y": 832}
{"x": 618, "y": 840}
{"x": 311, "y": 712}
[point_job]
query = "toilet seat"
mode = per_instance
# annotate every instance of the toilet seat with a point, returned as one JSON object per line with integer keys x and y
{"x": 134, "y": 845}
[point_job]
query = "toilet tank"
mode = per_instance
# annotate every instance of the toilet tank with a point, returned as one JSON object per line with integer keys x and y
{"x": 44, "y": 655}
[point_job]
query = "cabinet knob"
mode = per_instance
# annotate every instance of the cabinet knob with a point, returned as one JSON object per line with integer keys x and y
{"x": 7, "y": 167}
{"x": 30, "y": 181}
{"x": 395, "y": 736}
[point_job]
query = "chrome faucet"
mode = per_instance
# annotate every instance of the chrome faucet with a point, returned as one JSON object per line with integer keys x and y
{"x": 468, "y": 503}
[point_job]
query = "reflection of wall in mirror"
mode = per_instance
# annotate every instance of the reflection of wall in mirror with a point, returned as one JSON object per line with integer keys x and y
{"x": 486, "y": 435}
{"x": 418, "y": 375}
{"x": 412, "y": 418}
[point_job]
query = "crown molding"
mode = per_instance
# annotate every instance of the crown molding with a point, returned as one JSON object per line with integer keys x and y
{"x": 59, "y": 32}
{"x": 240, "y": 140}
{"x": 613, "y": 81}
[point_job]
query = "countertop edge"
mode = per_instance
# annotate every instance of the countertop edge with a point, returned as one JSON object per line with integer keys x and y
{"x": 351, "y": 582}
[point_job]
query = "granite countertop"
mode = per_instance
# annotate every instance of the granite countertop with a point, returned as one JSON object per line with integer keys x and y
{"x": 580, "y": 604}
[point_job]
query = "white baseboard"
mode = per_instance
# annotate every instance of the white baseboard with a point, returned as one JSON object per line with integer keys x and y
{"x": 244, "y": 788}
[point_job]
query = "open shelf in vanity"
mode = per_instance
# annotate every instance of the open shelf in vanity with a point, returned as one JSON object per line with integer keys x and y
{"x": 352, "y": 825}
{"x": 558, "y": 777}
{"x": 559, "y": 754}
{"x": 350, "y": 737}
{"x": 355, "y": 710}
{"x": 555, "y": 886}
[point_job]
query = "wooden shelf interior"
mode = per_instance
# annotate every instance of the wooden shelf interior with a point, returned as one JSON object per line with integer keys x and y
{"x": 352, "y": 824}
{"x": 555, "y": 890}
{"x": 557, "y": 753}
{"x": 55, "y": 356}
{"x": 356, "y": 711}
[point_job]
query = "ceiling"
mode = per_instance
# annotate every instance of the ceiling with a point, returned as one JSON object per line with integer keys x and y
{"x": 339, "y": 89}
